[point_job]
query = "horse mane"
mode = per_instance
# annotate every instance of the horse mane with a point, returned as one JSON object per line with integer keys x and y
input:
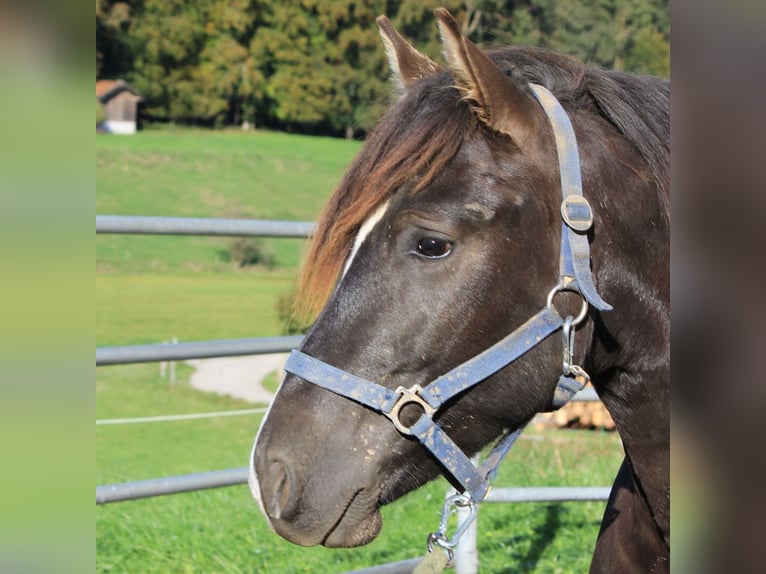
{"x": 421, "y": 134}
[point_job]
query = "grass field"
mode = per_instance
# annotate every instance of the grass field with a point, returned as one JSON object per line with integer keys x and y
{"x": 150, "y": 289}
{"x": 151, "y": 307}
{"x": 210, "y": 174}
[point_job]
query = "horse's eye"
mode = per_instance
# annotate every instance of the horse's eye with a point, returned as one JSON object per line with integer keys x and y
{"x": 434, "y": 247}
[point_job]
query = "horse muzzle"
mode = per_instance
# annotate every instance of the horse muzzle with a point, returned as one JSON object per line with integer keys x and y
{"x": 310, "y": 499}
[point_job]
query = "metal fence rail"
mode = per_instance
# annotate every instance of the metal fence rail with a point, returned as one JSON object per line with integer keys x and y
{"x": 146, "y": 225}
{"x": 549, "y": 494}
{"x": 170, "y": 485}
{"x": 195, "y": 350}
{"x": 235, "y": 476}
{"x": 401, "y": 567}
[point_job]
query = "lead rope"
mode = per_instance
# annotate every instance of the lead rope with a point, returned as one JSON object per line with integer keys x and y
{"x": 432, "y": 563}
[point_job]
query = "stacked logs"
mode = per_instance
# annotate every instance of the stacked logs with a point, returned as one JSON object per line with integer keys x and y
{"x": 580, "y": 415}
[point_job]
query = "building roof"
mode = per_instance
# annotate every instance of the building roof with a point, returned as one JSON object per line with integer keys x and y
{"x": 107, "y": 89}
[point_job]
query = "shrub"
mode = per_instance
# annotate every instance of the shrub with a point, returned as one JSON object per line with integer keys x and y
{"x": 100, "y": 113}
{"x": 247, "y": 251}
{"x": 286, "y": 313}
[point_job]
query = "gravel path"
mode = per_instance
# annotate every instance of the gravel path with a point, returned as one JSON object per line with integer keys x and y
{"x": 239, "y": 377}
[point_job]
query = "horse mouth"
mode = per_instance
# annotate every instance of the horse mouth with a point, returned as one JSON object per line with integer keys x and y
{"x": 358, "y": 524}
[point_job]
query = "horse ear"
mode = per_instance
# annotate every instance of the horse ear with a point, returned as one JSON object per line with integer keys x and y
{"x": 497, "y": 99}
{"x": 407, "y": 64}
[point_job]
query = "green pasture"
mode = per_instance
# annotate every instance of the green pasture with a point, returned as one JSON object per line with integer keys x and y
{"x": 151, "y": 307}
{"x": 151, "y": 289}
{"x": 258, "y": 175}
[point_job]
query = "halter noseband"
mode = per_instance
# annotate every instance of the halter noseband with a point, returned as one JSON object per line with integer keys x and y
{"x": 574, "y": 275}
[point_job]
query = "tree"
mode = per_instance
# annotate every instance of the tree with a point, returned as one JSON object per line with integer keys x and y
{"x": 166, "y": 39}
{"x": 630, "y": 35}
{"x": 322, "y": 63}
{"x": 318, "y": 65}
{"x": 113, "y": 54}
{"x": 229, "y": 84}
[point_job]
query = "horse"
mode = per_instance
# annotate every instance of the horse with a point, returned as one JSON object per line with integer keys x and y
{"x": 444, "y": 236}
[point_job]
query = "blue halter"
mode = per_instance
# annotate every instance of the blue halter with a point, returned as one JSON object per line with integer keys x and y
{"x": 574, "y": 275}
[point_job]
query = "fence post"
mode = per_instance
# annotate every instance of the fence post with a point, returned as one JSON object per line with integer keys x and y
{"x": 467, "y": 552}
{"x": 173, "y": 341}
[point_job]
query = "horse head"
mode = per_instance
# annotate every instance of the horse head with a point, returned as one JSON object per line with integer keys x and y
{"x": 442, "y": 238}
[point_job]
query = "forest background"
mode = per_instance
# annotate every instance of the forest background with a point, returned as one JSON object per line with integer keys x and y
{"x": 317, "y": 66}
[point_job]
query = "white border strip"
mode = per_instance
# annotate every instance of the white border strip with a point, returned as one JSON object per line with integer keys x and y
{"x": 187, "y": 417}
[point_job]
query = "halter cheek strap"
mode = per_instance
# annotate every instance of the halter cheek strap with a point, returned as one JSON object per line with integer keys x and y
{"x": 574, "y": 275}
{"x": 576, "y": 213}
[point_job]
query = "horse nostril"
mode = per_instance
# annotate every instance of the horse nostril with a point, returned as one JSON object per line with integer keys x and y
{"x": 275, "y": 489}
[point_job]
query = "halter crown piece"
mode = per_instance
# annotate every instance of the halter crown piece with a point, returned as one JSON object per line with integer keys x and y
{"x": 574, "y": 275}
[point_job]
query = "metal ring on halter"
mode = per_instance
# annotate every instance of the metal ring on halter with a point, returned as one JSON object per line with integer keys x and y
{"x": 583, "y": 309}
{"x": 407, "y": 396}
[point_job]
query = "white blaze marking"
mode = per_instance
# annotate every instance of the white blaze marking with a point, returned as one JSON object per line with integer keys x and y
{"x": 364, "y": 231}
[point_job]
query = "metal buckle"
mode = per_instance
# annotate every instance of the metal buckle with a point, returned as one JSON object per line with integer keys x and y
{"x": 569, "y": 369}
{"x": 439, "y": 538}
{"x": 407, "y": 396}
{"x": 577, "y": 213}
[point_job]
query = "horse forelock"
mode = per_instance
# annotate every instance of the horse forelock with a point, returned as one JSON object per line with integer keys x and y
{"x": 411, "y": 144}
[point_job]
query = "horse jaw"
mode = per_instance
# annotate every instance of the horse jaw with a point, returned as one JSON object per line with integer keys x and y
{"x": 359, "y": 524}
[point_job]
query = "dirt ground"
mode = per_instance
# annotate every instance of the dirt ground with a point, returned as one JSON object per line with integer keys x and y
{"x": 239, "y": 377}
